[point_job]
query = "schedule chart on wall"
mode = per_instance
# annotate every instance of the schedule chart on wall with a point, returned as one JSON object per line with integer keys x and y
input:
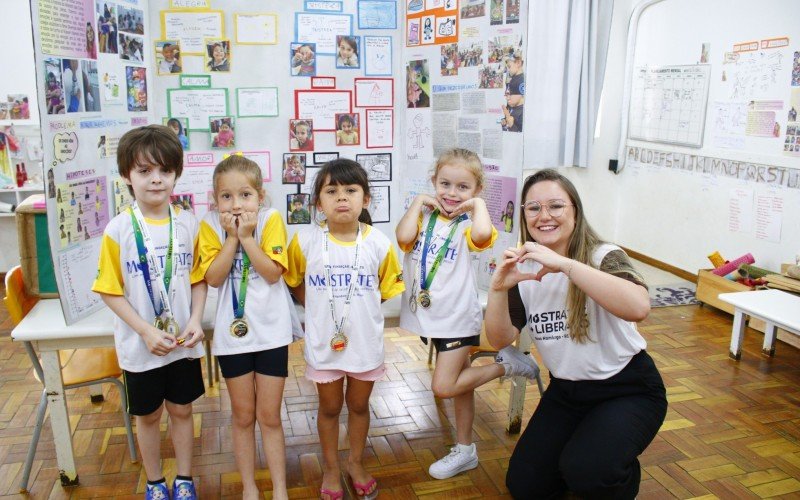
{"x": 668, "y": 104}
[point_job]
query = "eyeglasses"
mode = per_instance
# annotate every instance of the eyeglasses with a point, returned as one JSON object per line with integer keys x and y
{"x": 555, "y": 208}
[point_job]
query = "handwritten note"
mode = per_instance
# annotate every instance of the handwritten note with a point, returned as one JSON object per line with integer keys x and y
{"x": 197, "y": 105}
{"x": 257, "y": 29}
{"x": 374, "y": 92}
{"x": 252, "y": 102}
{"x": 322, "y": 106}
{"x": 377, "y": 55}
{"x": 322, "y": 29}
{"x": 191, "y": 28}
{"x": 380, "y": 128}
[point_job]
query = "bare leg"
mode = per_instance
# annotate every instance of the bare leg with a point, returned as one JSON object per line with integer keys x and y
{"x": 182, "y": 433}
{"x": 148, "y": 430}
{"x": 242, "y": 391}
{"x": 269, "y": 394}
{"x": 331, "y": 398}
{"x": 358, "y": 392}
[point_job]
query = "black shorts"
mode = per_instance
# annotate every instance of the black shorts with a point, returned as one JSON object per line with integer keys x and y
{"x": 179, "y": 382}
{"x": 443, "y": 345}
{"x": 273, "y": 362}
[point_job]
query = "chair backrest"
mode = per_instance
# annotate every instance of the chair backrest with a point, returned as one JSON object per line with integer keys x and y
{"x": 17, "y": 300}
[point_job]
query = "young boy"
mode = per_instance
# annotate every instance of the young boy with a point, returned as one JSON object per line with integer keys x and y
{"x": 149, "y": 276}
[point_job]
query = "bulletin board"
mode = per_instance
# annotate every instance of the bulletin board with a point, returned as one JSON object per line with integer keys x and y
{"x": 127, "y": 63}
{"x": 727, "y": 88}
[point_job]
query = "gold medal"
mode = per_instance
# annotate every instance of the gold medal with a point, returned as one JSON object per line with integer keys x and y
{"x": 239, "y": 328}
{"x": 339, "y": 342}
{"x": 424, "y": 299}
{"x": 159, "y": 323}
{"x": 171, "y": 327}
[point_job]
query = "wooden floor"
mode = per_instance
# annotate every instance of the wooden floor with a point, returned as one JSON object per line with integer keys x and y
{"x": 732, "y": 430}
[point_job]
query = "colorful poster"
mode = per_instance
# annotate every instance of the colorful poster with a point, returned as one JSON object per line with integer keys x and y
{"x": 82, "y": 210}
{"x": 66, "y": 28}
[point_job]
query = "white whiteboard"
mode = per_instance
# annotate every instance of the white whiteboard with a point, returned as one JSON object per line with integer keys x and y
{"x": 668, "y": 104}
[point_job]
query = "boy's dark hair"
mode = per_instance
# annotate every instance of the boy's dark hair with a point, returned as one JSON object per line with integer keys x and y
{"x": 342, "y": 171}
{"x": 155, "y": 143}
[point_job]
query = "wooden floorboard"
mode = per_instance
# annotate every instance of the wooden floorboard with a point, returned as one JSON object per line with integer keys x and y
{"x": 732, "y": 429}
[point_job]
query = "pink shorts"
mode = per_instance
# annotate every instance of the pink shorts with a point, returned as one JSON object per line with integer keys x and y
{"x": 328, "y": 376}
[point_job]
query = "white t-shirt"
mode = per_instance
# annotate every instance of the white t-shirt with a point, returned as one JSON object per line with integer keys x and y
{"x": 119, "y": 274}
{"x": 379, "y": 278}
{"x": 612, "y": 341}
{"x": 455, "y": 310}
{"x": 268, "y": 308}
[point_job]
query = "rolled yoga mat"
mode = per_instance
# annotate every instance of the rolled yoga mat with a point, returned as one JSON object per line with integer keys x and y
{"x": 734, "y": 265}
{"x": 750, "y": 271}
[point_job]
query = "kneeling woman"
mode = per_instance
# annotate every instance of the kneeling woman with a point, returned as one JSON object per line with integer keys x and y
{"x": 579, "y": 299}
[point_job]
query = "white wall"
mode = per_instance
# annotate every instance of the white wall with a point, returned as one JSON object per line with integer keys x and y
{"x": 598, "y": 186}
{"x": 675, "y": 217}
{"x": 17, "y": 66}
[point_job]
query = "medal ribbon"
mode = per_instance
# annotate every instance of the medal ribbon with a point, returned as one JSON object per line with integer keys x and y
{"x": 151, "y": 271}
{"x": 238, "y": 305}
{"x": 426, "y": 278}
{"x": 339, "y": 325}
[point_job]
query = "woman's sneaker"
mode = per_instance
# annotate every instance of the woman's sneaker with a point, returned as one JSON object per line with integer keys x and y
{"x": 517, "y": 364}
{"x": 461, "y": 458}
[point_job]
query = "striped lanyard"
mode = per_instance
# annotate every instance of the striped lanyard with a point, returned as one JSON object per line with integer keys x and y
{"x": 426, "y": 278}
{"x": 339, "y": 325}
{"x": 151, "y": 270}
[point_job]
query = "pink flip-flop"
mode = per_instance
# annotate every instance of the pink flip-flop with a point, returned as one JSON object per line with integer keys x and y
{"x": 366, "y": 487}
{"x": 332, "y": 495}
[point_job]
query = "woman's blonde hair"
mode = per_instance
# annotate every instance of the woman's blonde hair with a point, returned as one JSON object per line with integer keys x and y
{"x": 582, "y": 244}
{"x": 246, "y": 167}
{"x": 464, "y": 158}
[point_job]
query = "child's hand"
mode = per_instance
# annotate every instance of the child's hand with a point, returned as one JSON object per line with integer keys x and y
{"x": 467, "y": 206}
{"x": 228, "y": 222}
{"x": 429, "y": 201}
{"x": 192, "y": 335}
{"x": 158, "y": 342}
{"x": 247, "y": 224}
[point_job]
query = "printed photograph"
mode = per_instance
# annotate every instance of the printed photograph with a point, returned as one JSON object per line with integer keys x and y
{"x": 136, "y": 80}
{"x": 294, "y": 168}
{"x": 223, "y": 132}
{"x": 18, "y": 107}
{"x": 168, "y": 57}
{"x": 301, "y": 135}
{"x": 130, "y": 20}
{"x": 418, "y": 86}
{"x": 347, "y": 129}
{"x": 218, "y": 55}
{"x": 107, "y": 27}
{"x": 179, "y": 126}
{"x": 347, "y": 52}
{"x": 131, "y": 48}
{"x": 54, "y": 90}
{"x": 91, "y": 86}
{"x": 303, "y": 59}
{"x": 297, "y": 209}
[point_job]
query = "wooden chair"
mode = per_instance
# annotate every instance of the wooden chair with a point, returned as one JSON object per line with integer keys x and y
{"x": 79, "y": 368}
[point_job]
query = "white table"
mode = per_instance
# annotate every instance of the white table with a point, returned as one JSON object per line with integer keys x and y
{"x": 778, "y": 310}
{"x": 44, "y": 329}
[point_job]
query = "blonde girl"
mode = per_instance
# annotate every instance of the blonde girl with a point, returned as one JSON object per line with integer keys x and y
{"x": 341, "y": 270}
{"x": 242, "y": 255}
{"x": 437, "y": 233}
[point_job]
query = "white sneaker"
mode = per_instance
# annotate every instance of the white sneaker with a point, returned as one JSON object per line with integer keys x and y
{"x": 461, "y": 458}
{"x": 516, "y": 363}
